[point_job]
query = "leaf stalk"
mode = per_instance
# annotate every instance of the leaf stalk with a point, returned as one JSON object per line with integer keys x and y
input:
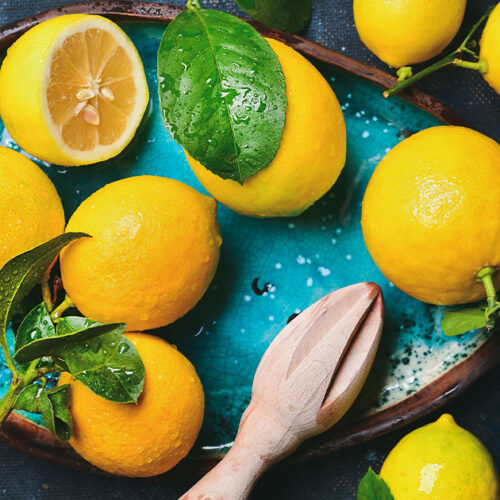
{"x": 66, "y": 304}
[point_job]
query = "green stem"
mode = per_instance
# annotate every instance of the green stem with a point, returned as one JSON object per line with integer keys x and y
{"x": 9, "y": 399}
{"x": 485, "y": 275}
{"x": 193, "y": 4}
{"x": 46, "y": 293}
{"x": 481, "y": 65}
{"x": 455, "y": 59}
{"x": 421, "y": 74}
{"x": 9, "y": 361}
{"x": 67, "y": 303}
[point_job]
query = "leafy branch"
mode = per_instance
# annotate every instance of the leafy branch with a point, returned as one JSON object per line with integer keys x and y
{"x": 456, "y": 58}
{"x": 96, "y": 354}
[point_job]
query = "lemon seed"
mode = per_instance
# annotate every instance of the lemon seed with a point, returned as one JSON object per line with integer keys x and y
{"x": 108, "y": 93}
{"x": 84, "y": 94}
{"x": 90, "y": 115}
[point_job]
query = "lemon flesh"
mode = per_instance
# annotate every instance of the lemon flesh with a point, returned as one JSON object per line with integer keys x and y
{"x": 311, "y": 155}
{"x": 404, "y": 32}
{"x": 73, "y": 90}
{"x": 440, "y": 461}
{"x": 490, "y": 49}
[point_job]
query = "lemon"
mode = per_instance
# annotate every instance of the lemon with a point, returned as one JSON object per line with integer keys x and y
{"x": 404, "y": 32}
{"x": 490, "y": 48}
{"x": 73, "y": 90}
{"x": 431, "y": 214}
{"x": 440, "y": 461}
{"x": 154, "y": 250}
{"x": 311, "y": 153}
{"x": 147, "y": 438}
{"x": 30, "y": 208}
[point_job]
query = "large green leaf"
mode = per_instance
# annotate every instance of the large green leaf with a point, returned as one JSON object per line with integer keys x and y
{"x": 20, "y": 274}
{"x": 52, "y": 404}
{"x": 287, "y": 15}
{"x": 222, "y": 92}
{"x": 109, "y": 365}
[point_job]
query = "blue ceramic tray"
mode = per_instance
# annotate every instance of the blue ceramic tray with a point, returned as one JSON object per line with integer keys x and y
{"x": 272, "y": 269}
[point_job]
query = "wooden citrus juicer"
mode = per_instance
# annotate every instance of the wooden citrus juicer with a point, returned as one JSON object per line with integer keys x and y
{"x": 307, "y": 379}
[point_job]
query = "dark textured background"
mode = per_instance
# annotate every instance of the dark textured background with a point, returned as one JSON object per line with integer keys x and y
{"x": 336, "y": 476}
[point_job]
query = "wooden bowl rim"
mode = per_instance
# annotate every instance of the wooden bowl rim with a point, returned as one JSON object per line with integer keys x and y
{"x": 31, "y": 439}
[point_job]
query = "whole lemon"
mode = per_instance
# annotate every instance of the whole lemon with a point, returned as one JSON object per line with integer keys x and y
{"x": 147, "y": 438}
{"x": 404, "y": 32}
{"x": 30, "y": 208}
{"x": 490, "y": 49}
{"x": 440, "y": 461}
{"x": 154, "y": 250}
{"x": 431, "y": 214}
{"x": 73, "y": 90}
{"x": 311, "y": 153}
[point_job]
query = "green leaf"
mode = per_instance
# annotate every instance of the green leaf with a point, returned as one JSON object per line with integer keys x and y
{"x": 287, "y": 15}
{"x": 109, "y": 365}
{"x": 28, "y": 349}
{"x": 458, "y": 322}
{"x": 73, "y": 324}
{"x": 222, "y": 92}
{"x": 52, "y": 404}
{"x": 373, "y": 487}
{"x": 20, "y": 274}
{"x": 36, "y": 325}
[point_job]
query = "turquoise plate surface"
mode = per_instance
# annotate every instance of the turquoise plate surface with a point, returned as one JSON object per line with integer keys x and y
{"x": 272, "y": 269}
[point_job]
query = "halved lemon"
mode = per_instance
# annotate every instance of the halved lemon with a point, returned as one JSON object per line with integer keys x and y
{"x": 73, "y": 90}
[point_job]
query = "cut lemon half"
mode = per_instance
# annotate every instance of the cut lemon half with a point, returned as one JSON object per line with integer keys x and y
{"x": 73, "y": 90}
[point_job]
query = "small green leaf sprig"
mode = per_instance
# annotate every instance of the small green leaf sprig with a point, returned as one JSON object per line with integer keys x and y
{"x": 96, "y": 354}
{"x": 473, "y": 318}
{"x": 463, "y": 56}
{"x": 373, "y": 487}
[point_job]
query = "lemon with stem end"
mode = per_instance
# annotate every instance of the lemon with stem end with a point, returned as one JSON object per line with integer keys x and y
{"x": 31, "y": 210}
{"x": 431, "y": 215}
{"x": 440, "y": 461}
{"x": 73, "y": 90}
{"x": 147, "y": 438}
{"x": 311, "y": 154}
{"x": 490, "y": 49}
{"x": 405, "y": 32}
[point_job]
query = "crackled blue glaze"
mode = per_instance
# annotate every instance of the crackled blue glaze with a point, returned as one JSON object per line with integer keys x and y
{"x": 272, "y": 269}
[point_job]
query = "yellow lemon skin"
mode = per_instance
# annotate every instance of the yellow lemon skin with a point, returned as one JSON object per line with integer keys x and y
{"x": 147, "y": 438}
{"x": 311, "y": 153}
{"x": 30, "y": 208}
{"x": 404, "y": 32}
{"x": 490, "y": 49}
{"x": 23, "y": 93}
{"x": 154, "y": 250}
{"x": 440, "y": 461}
{"x": 431, "y": 214}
